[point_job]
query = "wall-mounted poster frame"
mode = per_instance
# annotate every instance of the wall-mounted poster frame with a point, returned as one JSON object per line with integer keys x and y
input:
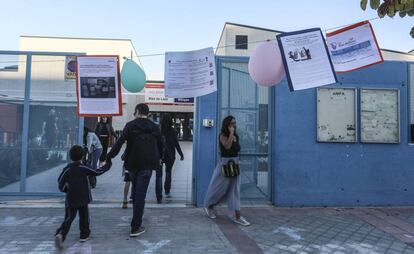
{"x": 380, "y": 115}
{"x": 336, "y": 114}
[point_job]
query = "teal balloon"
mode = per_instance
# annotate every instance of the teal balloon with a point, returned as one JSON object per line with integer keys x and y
{"x": 132, "y": 76}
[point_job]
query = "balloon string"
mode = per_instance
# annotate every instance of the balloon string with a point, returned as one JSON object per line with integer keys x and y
{"x": 254, "y": 42}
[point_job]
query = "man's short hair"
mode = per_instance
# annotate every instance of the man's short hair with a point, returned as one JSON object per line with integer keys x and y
{"x": 76, "y": 153}
{"x": 142, "y": 109}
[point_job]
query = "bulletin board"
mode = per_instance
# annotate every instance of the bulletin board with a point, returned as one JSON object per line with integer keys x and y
{"x": 336, "y": 114}
{"x": 380, "y": 121}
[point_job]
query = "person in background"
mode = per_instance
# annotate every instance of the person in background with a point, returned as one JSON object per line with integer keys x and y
{"x": 93, "y": 144}
{"x": 74, "y": 182}
{"x": 50, "y": 129}
{"x": 171, "y": 144}
{"x": 221, "y": 187}
{"x": 127, "y": 178}
{"x": 105, "y": 133}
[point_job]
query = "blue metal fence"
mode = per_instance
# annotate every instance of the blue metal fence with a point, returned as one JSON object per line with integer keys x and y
{"x": 26, "y": 140}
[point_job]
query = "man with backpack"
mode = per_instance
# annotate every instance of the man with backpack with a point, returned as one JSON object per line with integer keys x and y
{"x": 145, "y": 148}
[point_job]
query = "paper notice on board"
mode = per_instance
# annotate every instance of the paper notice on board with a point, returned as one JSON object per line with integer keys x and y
{"x": 98, "y": 86}
{"x": 190, "y": 73}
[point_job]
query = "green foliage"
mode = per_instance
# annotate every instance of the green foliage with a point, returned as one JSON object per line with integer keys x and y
{"x": 364, "y": 4}
{"x": 390, "y": 8}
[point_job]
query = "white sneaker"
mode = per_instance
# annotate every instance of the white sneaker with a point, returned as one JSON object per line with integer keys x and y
{"x": 210, "y": 213}
{"x": 82, "y": 240}
{"x": 242, "y": 221}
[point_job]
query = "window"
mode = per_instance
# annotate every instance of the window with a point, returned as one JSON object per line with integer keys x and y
{"x": 241, "y": 42}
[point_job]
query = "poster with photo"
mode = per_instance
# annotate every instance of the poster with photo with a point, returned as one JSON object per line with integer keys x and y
{"x": 98, "y": 86}
{"x": 306, "y": 59}
{"x": 190, "y": 73}
{"x": 353, "y": 47}
{"x": 70, "y": 67}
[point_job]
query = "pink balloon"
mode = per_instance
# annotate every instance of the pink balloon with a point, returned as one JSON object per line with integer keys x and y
{"x": 265, "y": 64}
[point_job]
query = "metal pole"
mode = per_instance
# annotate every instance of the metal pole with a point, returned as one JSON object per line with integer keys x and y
{"x": 25, "y": 131}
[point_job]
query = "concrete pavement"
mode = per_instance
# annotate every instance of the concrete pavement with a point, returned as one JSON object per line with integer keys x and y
{"x": 188, "y": 230}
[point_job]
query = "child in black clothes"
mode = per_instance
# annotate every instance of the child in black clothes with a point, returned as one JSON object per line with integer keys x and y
{"x": 74, "y": 182}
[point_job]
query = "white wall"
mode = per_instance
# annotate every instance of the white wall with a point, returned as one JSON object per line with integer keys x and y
{"x": 393, "y": 56}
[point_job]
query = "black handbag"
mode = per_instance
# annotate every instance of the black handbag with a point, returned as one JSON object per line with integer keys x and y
{"x": 230, "y": 169}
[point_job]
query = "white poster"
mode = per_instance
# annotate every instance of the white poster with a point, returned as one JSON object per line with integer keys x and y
{"x": 98, "y": 86}
{"x": 354, "y": 47}
{"x": 190, "y": 73}
{"x": 306, "y": 59}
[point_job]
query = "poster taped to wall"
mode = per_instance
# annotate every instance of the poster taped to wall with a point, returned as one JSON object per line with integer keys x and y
{"x": 306, "y": 59}
{"x": 70, "y": 67}
{"x": 190, "y": 73}
{"x": 98, "y": 86}
{"x": 353, "y": 47}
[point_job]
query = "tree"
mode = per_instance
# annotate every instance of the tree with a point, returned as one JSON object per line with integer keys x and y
{"x": 391, "y": 8}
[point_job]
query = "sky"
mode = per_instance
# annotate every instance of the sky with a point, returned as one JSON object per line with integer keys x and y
{"x": 158, "y": 26}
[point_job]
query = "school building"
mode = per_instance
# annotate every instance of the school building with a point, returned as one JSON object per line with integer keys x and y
{"x": 345, "y": 144}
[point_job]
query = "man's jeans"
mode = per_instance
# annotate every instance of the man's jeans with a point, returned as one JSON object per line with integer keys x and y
{"x": 158, "y": 184}
{"x": 140, "y": 181}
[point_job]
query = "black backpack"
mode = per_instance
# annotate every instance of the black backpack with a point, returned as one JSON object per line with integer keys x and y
{"x": 145, "y": 146}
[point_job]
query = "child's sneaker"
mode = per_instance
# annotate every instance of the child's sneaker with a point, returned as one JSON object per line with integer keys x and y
{"x": 124, "y": 205}
{"x": 242, "y": 221}
{"x": 59, "y": 241}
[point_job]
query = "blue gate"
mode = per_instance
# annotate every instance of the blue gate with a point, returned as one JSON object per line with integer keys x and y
{"x": 251, "y": 106}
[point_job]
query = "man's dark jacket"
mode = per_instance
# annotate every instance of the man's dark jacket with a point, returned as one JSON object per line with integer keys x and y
{"x": 144, "y": 145}
{"x": 74, "y": 181}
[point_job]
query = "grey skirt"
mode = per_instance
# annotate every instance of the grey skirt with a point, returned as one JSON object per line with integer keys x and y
{"x": 223, "y": 189}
